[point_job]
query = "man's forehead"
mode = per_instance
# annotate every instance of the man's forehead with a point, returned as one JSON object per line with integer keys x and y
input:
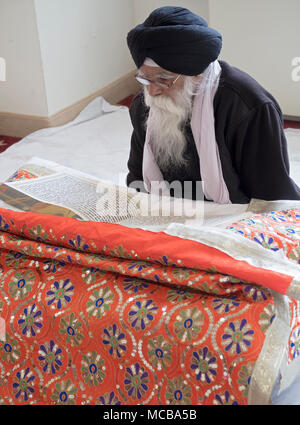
{"x": 155, "y": 70}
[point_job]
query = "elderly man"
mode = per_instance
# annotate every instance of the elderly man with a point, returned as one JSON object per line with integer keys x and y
{"x": 200, "y": 119}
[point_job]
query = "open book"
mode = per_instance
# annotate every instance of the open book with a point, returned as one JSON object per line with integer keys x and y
{"x": 46, "y": 187}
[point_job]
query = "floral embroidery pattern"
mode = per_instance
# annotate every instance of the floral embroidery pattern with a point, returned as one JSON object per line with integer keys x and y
{"x": 99, "y": 303}
{"x": 64, "y": 393}
{"x": 50, "y": 357}
{"x": 93, "y": 368}
{"x": 159, "y": 352}
{"x": 23, "y": 384}
{"x": 178, "y": 295}
{"x": 188, "y": 324}
{"x": 53, "y": 266}
{"x": 21, "y": 284}
{"x": 91, "y": 274}
{"x": 266, "y": 242}
{"x": 70, "y": 327}
{"x": 224, "y": 305}
{"x": 14, "y": 259}
{"x": 245, "y": 377}
{"x": 204, "y": 365}
{"x": 115, "y": 341}
{"x": 295, "y": 343}
{"x": 256, "y": 293}
{"x": 266, "y": 317}
{"x": 178, "y": 391}
{"x": 60, "y": 293}
{"x": 91, "y": 321}
{"x": 238, "y": 337}
{"x": 9, "y": 349}
{"x": 136, "y": 381}
{"x": 78, "y": 243}
{"x": 135, "y": 285}
{"x": 225, "y": 399}
{"x": 109, "y": 399}
{"x": 141, "y": 314}
{"x": 31, "y": 321}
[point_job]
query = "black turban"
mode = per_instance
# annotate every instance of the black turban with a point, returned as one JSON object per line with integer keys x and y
{"x": 176, "y": 39}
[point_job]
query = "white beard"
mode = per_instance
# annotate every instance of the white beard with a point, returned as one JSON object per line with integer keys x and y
{"x": 165, "y": 123}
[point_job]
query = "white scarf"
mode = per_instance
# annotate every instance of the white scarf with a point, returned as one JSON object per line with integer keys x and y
{"x": 203, "y": 129}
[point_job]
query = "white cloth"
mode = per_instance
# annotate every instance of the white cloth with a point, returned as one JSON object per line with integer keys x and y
{"x": 150, "y": 62}
{"x": 203, "y": 128}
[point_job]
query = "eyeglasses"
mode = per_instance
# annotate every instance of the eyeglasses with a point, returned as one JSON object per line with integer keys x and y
{"x": 161, "y": 82}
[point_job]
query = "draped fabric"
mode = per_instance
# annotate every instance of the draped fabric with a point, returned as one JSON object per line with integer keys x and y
{"x": 97, "y": 313}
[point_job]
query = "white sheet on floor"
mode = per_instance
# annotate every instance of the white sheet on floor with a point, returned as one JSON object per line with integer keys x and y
{"x": 96, "y": 142}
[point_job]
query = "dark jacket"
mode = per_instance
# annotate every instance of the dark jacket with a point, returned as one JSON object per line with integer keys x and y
{"x": 250, "y": 137}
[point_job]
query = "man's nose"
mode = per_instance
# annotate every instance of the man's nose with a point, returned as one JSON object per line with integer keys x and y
{"x": 154, "y": 90}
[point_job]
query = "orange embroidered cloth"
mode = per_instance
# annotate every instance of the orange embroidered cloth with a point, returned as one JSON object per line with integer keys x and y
{"x": 97, "y": 313}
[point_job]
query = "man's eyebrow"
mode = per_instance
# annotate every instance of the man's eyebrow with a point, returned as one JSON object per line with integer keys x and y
{"x": 160, "y": 75}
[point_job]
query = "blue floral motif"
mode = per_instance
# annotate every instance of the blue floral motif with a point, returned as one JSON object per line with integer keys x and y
{"x": 266, "y": 242}
{"x": 291, "y": 231}
{"x": 142, "y": 314}
{"x": 249, "y": 221}
{"x": 31, "y": 319}
{"x": 256, "y": 293}
{"x": 295, "y": 343}
{"x": 165, "y": 261}
{"x": 225, "y": 399}
{"x": 138, "y": 266}
{"x": 78, "y": 243}
{"x": 136, "y": 381}
{"x": 274, "y": 215}
{"x": 237, "y": 337}
{"x": 115, "y": 340}
{"x": 134, "y": 285}
{"x": 23, "y": 384}
{"x": 50, "y": 357}
{"x": 109, "y": 399}
{"x": 236, "y": 230}
{"x": 225, "y": 304}
{"x": 54, "y": 248}
{"x": 60, "y": 293}
{"x": 205, "y": 365}
{"x": 52, "y": 266}
{"x": 3, "y": 224}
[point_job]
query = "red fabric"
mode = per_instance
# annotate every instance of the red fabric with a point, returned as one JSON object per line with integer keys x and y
{"x": 6, "y": 141}
{"x": 100, "y": 314}
{"x": 147, "y": 245}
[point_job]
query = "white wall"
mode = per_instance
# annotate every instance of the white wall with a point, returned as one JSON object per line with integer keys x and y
{"x": 83, "y": 46}
{"x": 262, "y": 38}
{"x": 60, "y": 51}
{"x": 143, "y": 8}
{"x": 23, "y": 92}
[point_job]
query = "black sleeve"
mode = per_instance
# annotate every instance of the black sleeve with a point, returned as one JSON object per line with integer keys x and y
{"x": 264, "y": 163}
{"x": 135, "y": 161}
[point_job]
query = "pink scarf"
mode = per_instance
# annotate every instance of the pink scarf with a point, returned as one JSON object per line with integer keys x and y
{"x": 203, "y": 129}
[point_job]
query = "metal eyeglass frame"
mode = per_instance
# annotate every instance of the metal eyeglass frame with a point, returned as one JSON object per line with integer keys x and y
{"x": 146, "y": 82}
